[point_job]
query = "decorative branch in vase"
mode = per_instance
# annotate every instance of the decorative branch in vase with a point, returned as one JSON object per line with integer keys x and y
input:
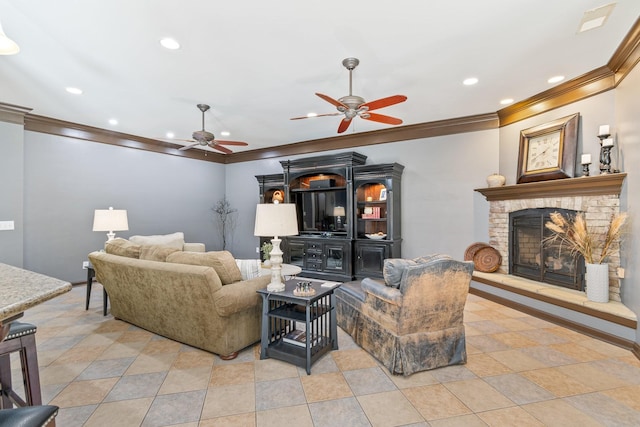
{"x": 594, "y": 246}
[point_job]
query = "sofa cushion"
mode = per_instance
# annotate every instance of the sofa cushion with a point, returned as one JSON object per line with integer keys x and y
{"x": 156, "y": 252}
{"x": 174, "y": 240}
{"x": 221, "y": 261}
{"x": 394, "y": 268}
{"x": 122, "y": 247}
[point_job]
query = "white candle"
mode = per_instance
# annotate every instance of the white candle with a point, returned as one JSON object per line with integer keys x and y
{"x": 586, "y": 159}
{"x": 604, "y": 130}
{"x": 607, "y": 142}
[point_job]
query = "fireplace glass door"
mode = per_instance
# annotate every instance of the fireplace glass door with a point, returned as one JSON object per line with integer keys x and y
{"x": 529, "y": 257}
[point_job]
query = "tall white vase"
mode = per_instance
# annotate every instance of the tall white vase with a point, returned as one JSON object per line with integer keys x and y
{"x": 597, "y": 282}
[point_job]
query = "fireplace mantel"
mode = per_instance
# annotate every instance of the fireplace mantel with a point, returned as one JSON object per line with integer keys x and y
{"x": 583, "y": 186}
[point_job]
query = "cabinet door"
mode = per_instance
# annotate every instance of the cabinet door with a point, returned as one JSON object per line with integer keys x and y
{"x": 370, "y": 259}
{"x": 335, "y": 257}
{"x": 296, "y": 253}
{"x": 371, "y": 210}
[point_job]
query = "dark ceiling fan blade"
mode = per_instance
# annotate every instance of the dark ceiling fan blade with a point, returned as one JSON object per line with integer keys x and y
{"x": 384, "y": 102}
{"x": 317, "y": 115}
{"x": 186, "y": 147}
{"x": 239, "y": 143}
{"x": 331, "y": 100}
{"x": 344, "y": 125}
{"x": 383, "y": 119}
{"x": 220, "y": 148}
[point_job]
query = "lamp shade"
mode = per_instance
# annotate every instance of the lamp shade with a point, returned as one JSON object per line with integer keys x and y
{"x": 339, "y": 211}
{"x": 110, "y": 220}
{"x": 277, "y": 219}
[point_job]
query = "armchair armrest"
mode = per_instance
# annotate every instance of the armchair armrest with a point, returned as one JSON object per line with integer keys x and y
{"x": 193, "y": 247}
{"x": 377, "y": 289}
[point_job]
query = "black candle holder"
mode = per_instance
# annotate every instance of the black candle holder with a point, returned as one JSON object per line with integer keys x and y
{"x": 605, "y": 154}
{"x": 585, "y": 169}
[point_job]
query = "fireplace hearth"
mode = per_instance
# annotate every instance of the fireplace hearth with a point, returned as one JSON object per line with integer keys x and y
{"x": 531, "y": 258}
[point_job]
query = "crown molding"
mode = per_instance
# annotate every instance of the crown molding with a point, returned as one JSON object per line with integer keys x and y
{"x": 592, "y": 83}
{"x": 400, "y": 133}
{"x": 13, "y": 113}
{"x": 87, "y": 133}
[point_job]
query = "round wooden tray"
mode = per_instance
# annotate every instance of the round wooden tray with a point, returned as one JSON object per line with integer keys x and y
{"x": 487, "y": 259}
{"x": 308, "y": 293}
{"x": 472, "y": 249}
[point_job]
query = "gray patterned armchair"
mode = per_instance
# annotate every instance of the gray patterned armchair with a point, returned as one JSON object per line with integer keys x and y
{"x": 413, "y": 320}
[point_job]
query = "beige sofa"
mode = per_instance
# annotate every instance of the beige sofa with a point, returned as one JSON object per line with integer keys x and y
{"x": 195, "y": 298}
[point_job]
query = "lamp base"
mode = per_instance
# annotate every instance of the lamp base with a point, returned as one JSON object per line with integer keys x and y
{"x": 275, "y": 287}
{"x": 276, "y": 284}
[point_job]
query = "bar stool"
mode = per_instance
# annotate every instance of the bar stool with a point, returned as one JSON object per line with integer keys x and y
{"x": 21, "y": 338}
{"x": 31, "y": 416}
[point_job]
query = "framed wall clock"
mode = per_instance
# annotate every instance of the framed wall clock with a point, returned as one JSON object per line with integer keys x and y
{"x": 548, "y": 151}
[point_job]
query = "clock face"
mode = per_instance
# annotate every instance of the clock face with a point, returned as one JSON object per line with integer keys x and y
{"x": 543, "y": 152}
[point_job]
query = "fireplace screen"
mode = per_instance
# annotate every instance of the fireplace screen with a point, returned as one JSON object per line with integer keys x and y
{"x": 530, "y": 258}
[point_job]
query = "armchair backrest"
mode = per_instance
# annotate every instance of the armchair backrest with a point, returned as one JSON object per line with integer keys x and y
{"x": 434, "y": 294}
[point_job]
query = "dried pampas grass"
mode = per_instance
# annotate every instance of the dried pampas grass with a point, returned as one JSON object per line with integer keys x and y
{"x": 579, "y": 239}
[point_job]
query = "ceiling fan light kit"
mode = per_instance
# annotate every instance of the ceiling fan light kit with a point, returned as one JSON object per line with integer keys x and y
{"x": 352, "y": 105}
{"x": 208, "y": 139}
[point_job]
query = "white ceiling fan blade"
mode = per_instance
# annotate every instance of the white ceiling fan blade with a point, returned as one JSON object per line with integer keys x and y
{"x": 186, "y": 147}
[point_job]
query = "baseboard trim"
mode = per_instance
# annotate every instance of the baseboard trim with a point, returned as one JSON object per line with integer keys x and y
{"x": 611, "y": 339}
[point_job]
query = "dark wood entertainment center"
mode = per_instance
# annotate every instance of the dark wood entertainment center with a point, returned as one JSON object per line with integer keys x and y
{"x": 348, "y": 214}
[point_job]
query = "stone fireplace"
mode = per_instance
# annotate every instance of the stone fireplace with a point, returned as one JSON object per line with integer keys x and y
{"x": 596, "y": 196}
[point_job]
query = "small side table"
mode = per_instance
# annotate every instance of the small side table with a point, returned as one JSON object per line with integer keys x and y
{"x": 281, "y": 311}
{"x": 91, "y": 273}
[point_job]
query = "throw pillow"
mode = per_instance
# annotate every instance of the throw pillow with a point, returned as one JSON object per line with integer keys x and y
{"x": 156, "y": 252}
{"x": 249, "y": 268}
{"x": 428, "y": 258}
{"x": 175, "y": 240}
{"x": 122, "y": 247}
{"x": 394, "y": 268}
{"x": 221, "y": 261}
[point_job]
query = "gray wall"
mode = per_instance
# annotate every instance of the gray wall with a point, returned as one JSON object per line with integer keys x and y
{"x": 66, "y": 179}
{"x": 440, "y": 210}
{"x": 11, "y": 192}
{"x": 627, "y": 138}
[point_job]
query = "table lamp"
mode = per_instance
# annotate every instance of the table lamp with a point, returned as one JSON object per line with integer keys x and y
{"x": 339, "y": 212}
{"x": 110, "y": 220}
{"x": 278, "y": 219}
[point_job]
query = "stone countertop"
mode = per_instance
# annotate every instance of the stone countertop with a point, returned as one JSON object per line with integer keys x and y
{"x": 22, "y": 289}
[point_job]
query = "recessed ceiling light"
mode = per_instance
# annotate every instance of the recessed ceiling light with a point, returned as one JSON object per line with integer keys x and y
{"x": 595, "y": 18}
{"x": 506, "y": 101}
{"x": 225, "y": 133}
{"x": 170, "y": 134}
{"x": 113, "y": 122}
{"x": 169, "y": 43}
{"x": 470, "y": 81}
{"x": 312, "y": 115}
{"x": 556, "y": 79}
{"x": 74, "y": 90}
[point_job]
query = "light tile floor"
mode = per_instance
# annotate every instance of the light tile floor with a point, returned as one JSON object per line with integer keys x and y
{"x": 521, "y": 371}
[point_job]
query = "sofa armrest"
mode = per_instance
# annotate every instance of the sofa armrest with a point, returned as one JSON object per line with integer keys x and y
{"x": 239, "y": 296}
{"x": 194, "y": 247}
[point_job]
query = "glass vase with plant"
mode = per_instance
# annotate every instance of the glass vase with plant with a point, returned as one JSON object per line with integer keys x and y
{"x": 266, "y": 249}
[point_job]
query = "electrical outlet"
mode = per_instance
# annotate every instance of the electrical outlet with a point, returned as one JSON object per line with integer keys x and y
{"x": 7, "y": 225}
{"x": 85, "y": 264}
{"x": 257, "y": 249}
{"x": 620, "y": 272}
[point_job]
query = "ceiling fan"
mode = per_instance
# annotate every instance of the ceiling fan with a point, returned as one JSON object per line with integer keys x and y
{"x": 352, "y": 105}
{"x": 204, "y": 138}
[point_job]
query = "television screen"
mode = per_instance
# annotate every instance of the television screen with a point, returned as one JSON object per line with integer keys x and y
{"x": 321, "y": 211}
